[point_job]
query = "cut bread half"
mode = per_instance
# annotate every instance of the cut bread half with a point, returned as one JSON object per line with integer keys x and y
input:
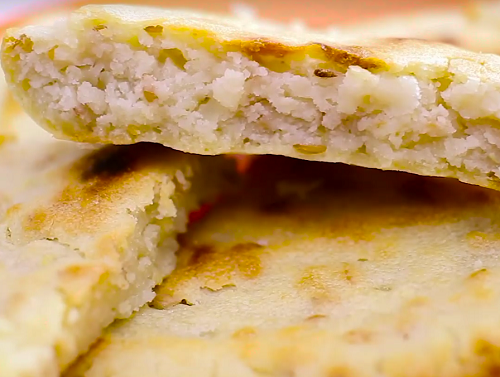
{"x": 321, "y": 270}
{"x": 85, "y": 235}
{"x": 211, "y": 85}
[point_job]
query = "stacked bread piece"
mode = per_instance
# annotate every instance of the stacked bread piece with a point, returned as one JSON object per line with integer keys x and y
{"x": 302, "y": 265}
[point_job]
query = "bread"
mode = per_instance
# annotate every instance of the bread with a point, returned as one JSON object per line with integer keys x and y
{"x": 85, "y": 235}
{"x": 209, "y": 85}
{"x": 323, "y": 270}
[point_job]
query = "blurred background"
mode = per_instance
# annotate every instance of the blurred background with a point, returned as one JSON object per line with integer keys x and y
{"x": 315, "y": 13}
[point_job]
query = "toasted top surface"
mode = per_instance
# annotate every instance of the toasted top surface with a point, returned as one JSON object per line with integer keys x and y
{"x": 263, "y": 38}
{"x": 324, "y": 270}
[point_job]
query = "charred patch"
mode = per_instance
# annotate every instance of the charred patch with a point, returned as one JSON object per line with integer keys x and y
{"x": 108, "y": 162}
{"x": 114, "y": 161}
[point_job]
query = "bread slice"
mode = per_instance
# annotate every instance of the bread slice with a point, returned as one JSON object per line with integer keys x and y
{"x": 324, "y": 270}
{"x": 210, "y": 85}
{"x": 85, "y": 235}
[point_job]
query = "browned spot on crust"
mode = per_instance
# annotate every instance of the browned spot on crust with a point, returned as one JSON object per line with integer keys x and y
{"x": 352, "y": 56}
{"x": 315, "y": 282}
{"x": 324, "y": 73}
{"x": 111, "y": 164}
{"x": 95, "y": 183}
{"x": 489, "y": 355}
{"x": 258, "y": 47}
{"x": 203, "y": 255}
{"x": 37, "y": 220}
{"x": 198, "y": 252}
{"x": 209, "y": 267}
{"x": 278, "y": 56}
{"x": 272, "y": 55}
{"x": 358, "y": 336}
{"x": 478, "y": 273}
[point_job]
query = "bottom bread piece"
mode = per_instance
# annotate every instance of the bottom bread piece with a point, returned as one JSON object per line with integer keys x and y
{"x": 324, "y": 270}
{"x": 85, "y": 235}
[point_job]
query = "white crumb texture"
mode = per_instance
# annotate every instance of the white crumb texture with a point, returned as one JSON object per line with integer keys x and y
{"x": 94, "y": 84}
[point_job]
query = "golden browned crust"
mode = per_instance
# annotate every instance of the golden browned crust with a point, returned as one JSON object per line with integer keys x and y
{"x": 324, "y": 270}
{"x": 258, "y": 41}
{"x": 85, "y": 234}
{"x": 391, "y": 103}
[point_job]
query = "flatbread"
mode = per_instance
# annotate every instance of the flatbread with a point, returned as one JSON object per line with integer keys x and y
{"x": 226, "y": 86}
{"x": 324, "y": 270}
{"x": 211, "y": 85}
{"x": 85, "y": 235}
